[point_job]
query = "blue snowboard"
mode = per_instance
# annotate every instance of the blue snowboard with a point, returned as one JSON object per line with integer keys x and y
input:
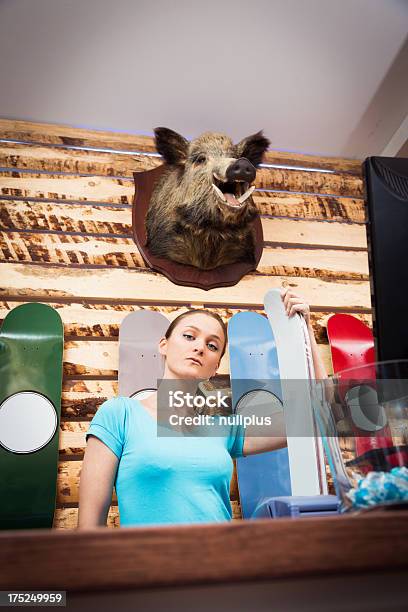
{"x": 254, "y": 367}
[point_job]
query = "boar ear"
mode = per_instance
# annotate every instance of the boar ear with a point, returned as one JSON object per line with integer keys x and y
{"x": 253, "y": 147}
{"x": 171, "y": 145}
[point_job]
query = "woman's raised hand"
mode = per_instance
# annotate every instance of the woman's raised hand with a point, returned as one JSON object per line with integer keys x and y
{"x": 295, "y": 303}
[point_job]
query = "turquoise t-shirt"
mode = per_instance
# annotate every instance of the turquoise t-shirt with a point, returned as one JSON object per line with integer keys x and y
{"x": 162, "y": 479}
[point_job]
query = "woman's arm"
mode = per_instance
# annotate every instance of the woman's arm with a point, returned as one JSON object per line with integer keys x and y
{"x": 255, "y": 445}
{"x": 95, "y": 488}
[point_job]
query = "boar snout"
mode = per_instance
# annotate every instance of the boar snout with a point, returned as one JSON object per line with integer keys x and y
{"x": 241, "y": 170}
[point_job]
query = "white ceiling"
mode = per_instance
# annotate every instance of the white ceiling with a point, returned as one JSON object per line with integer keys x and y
{"x": 319, "y": 76}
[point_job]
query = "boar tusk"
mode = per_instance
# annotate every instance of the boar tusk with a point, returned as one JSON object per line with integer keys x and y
{"x": 219, "y": 178}
{"x": 246, "y": 195}
{"x": 219, "y": 192}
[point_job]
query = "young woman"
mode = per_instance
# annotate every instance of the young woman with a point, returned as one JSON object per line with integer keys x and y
{"x": 170, "y": 479}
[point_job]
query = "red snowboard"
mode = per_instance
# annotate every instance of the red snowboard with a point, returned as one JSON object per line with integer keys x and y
{"x": 352, "y": 346}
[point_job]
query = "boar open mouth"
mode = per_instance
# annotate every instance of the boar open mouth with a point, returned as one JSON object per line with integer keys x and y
{"x": 233, "y": 194}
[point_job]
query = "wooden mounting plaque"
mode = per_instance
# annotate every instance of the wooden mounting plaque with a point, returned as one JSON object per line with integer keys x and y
{"x": 182, "y": 274}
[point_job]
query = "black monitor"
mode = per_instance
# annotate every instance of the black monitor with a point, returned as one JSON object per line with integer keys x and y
{"x": 387, "y": 234}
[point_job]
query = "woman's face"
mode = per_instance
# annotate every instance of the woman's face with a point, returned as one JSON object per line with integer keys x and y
{"x": 194, "y": 347}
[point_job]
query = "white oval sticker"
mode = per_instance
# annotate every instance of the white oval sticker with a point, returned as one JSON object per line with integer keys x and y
{"x": 28, "y": 421}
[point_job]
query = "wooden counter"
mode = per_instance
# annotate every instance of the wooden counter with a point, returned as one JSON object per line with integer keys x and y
{"x": 185, "y": 555}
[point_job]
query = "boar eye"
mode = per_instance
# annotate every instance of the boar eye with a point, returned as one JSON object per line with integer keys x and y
{"x": 200, "y": 159}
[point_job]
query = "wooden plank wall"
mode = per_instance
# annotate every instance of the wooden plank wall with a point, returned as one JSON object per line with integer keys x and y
{"x": 66, "y": 240}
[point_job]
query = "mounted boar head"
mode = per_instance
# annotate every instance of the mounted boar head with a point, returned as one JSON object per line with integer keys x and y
{"x": 201, "y": 211}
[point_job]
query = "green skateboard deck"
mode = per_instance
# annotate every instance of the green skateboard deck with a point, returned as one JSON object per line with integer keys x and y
{"x": 31, "y": 348}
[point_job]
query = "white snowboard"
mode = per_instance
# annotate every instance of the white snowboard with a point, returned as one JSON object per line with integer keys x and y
{"x": 306, "y": 458}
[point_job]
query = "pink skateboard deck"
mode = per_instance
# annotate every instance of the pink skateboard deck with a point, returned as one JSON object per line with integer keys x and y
{"x": 140, "y": 363}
